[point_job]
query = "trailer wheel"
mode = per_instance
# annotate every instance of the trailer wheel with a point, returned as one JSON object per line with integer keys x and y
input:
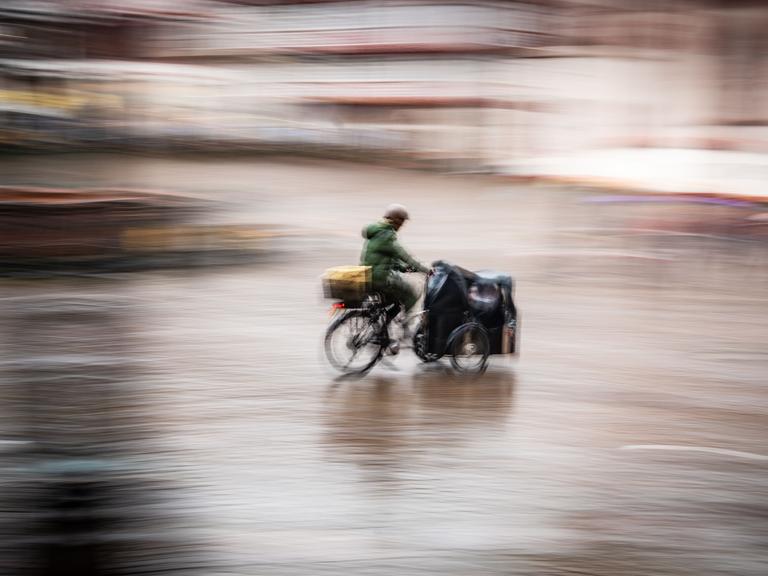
{"x": 469, "y": 348}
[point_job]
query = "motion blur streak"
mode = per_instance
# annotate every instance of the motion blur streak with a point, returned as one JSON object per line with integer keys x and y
{"x": 176, "y": 175}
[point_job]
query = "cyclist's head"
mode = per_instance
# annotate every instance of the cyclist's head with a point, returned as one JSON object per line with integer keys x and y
{"x": 396, "y": 214}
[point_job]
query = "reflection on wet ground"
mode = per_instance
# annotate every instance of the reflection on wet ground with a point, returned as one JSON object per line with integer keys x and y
{"x": 379, "y": 422}
{"x": 83, "y": 491}
{"x": 191, "y": 418}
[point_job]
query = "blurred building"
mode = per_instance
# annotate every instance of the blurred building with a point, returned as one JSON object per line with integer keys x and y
{"x": 465, "y": 84}
{"x": 686, "y": 73}
{"x": 65, "y": 67}
{"x": 418, "y": 78}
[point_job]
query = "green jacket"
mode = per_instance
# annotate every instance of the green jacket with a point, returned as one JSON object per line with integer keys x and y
{"x": 383, "y": 253}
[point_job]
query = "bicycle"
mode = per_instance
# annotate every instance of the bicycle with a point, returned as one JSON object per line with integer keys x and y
{"x": 357, "y": 339}
{"x": 465, "y": 316}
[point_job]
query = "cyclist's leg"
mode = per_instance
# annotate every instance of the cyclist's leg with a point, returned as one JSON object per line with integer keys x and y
{"x": 402, "y": 292}
{"x": 409, "y": 297}
{"x": 386, "y": 299}
{"x": 398, "y": 295}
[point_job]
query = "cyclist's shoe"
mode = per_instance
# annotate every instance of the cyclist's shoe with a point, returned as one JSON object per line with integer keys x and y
{"x": 404, "y": 328}
{"x": 394, "y": 348}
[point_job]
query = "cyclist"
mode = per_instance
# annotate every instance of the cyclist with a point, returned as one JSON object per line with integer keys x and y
{"x": 387, "y": 258}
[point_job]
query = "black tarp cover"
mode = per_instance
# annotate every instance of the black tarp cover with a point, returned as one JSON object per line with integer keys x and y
{"x": 448, "y": 305}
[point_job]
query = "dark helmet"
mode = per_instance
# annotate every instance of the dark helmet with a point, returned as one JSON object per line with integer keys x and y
{"x": 396, "y": 212}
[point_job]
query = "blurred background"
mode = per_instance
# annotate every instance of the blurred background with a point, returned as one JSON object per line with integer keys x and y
{"x": 462, "y": 85}
{"x": 176, "y": 175}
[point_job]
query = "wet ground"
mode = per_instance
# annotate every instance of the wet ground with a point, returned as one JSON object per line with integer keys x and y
{"x": 628, "y": 438}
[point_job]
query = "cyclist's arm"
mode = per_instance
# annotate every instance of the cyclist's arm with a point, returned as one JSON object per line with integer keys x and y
{"x": 407, "y": 261}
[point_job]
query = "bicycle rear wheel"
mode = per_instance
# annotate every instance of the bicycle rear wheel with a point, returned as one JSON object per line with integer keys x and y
{"x": 354, "y": 342}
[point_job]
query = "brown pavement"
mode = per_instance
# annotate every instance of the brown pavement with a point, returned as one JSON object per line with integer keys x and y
{"x": 578, "y": 457}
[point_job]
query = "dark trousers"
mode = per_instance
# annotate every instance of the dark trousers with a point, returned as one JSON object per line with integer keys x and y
{"x": 396, "y": 289}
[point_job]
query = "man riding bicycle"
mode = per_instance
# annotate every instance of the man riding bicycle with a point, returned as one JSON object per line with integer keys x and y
{"x": 386, "y": 257}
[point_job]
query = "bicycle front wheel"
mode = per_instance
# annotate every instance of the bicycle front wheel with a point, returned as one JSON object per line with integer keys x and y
{"x": 354, "y": 342}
